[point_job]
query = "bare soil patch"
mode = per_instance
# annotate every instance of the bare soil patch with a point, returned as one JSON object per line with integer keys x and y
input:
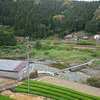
{"x": 22, "y": 96}
{"x": 6, "y": 82}
{"x": 86, "y": 47}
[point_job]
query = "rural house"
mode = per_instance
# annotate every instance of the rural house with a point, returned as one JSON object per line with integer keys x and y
{"x": 97, "y": 37}
{"x": 13, "y": 69}
{"x": 70, "y": 36}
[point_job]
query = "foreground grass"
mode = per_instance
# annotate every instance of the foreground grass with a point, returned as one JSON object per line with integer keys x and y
{"x": 53, "y": 91}
{"x": 5, "y": 98}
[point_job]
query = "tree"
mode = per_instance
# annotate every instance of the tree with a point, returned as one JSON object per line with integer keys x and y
{"x": 92, "y": 26}
{"x": 6, "y": 36}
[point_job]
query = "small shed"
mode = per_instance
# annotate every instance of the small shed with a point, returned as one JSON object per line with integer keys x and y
{"x": 97, "y": 37}
{"x": 70, "y": 36}
{"x": 13, "y": 69}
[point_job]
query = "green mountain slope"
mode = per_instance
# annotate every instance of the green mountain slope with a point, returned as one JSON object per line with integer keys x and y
{"x": 42, "y": 18}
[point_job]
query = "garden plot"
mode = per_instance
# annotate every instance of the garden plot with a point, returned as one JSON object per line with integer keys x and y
{"x": 53, "y": 91}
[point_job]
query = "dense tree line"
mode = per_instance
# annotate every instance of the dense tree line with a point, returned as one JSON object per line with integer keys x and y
{"x": 47, "y": 17}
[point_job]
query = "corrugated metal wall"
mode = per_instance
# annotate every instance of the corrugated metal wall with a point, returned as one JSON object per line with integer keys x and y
{"x": 14, "y": 75}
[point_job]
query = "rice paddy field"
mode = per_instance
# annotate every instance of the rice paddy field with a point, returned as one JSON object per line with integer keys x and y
{"x": 53, "y": 91}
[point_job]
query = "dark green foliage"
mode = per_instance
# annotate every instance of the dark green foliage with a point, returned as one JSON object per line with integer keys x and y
{"x": 94, "y": 81}
{"x": 84, "y": 42}
{"x": 92, "y": 26}
{"x": 38, "y": 45}
{"x": 94, "y": 54}
{"x": 37, "y": 20}
{"x": 53, "y": 91}
{"x": 6, "y": 36}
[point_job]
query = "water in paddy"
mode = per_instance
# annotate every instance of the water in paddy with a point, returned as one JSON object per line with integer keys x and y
{"x": 58, "y": 65}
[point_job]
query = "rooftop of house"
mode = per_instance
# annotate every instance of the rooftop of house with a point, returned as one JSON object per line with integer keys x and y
{"x": 12, "y": 65}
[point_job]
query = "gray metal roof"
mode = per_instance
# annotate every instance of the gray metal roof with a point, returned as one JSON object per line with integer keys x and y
{"x": 11, "y": 65}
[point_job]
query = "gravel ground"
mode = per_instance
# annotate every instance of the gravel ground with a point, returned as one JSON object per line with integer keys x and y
{"x": 78, "y": 76}
{"x": 67, "y": 75}
{"x": 73, "y": 76}
{"x": 90, "y": 71}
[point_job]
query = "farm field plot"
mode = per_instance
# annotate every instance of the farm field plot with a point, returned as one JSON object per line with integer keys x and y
{"x": 53, "y": 91}
{"x": 5, "y": 98}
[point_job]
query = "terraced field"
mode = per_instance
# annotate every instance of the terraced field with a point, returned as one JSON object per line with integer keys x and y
{"x": 5, "y": 98}
{"x": 53, "y": 91}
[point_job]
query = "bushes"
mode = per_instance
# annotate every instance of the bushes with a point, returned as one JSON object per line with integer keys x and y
{"x": 54, "y": 91}
{"x": 58, "y": 91}
{"x": 5, "y": 98}
{"x": 46, "y": 46}
{"x": 94, "y": 81}
{"x": 38, "y": 45}
{"x": 84, "y": 42}
{"x": 94, "y": 55}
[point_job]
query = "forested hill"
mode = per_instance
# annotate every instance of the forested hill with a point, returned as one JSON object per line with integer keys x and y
{"x": 42, "y": 18}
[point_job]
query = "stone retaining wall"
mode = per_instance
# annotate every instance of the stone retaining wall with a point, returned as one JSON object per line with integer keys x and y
{"x": 78, "y": 67}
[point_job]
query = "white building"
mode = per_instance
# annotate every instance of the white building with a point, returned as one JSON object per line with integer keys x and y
{"x": 13, "y": 69}
{"x": 97, "y": 37}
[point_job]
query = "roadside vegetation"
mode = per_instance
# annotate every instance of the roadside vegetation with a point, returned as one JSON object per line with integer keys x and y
{"x": 53, "y": 91}
{"x": 2, "y": 97}
{"x": 94, "y": 81}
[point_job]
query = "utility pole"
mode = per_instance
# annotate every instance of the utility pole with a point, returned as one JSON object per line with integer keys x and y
{"x": 28, "y": 59}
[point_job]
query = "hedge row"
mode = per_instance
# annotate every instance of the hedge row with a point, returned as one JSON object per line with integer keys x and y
{"x": 57, "y": 90}
{"x": 54, "y": 91}
{"x": 65, "y": 89}
{"x": 49, "y": 92}
{"x": 84, "y": 42}
{"x": 38, "y": 93}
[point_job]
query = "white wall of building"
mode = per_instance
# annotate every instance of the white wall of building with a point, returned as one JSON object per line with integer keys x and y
{"x": 14, "y": 75}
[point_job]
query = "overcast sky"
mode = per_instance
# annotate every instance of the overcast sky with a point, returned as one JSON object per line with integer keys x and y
{"x": 87, "y": 0}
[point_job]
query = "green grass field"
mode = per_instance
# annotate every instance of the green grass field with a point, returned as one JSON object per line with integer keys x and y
{"x": 58, "y": 51}
{"x": 2, "y": 97}
{"x": 53, "y": 91}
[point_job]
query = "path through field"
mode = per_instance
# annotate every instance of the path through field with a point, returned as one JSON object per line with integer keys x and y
{"x": 72, "y": 85}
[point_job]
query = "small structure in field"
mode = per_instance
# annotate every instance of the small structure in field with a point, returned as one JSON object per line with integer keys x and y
{"x": 85, "y": 38}
{"x": 97, "y": 37}
{"x": 13, "y": 69}
{"x": 70, "y": 36}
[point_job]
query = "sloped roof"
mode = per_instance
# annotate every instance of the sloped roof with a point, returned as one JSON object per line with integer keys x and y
{"x": 12, "y": 65}
{"x": 69, "y": 36}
